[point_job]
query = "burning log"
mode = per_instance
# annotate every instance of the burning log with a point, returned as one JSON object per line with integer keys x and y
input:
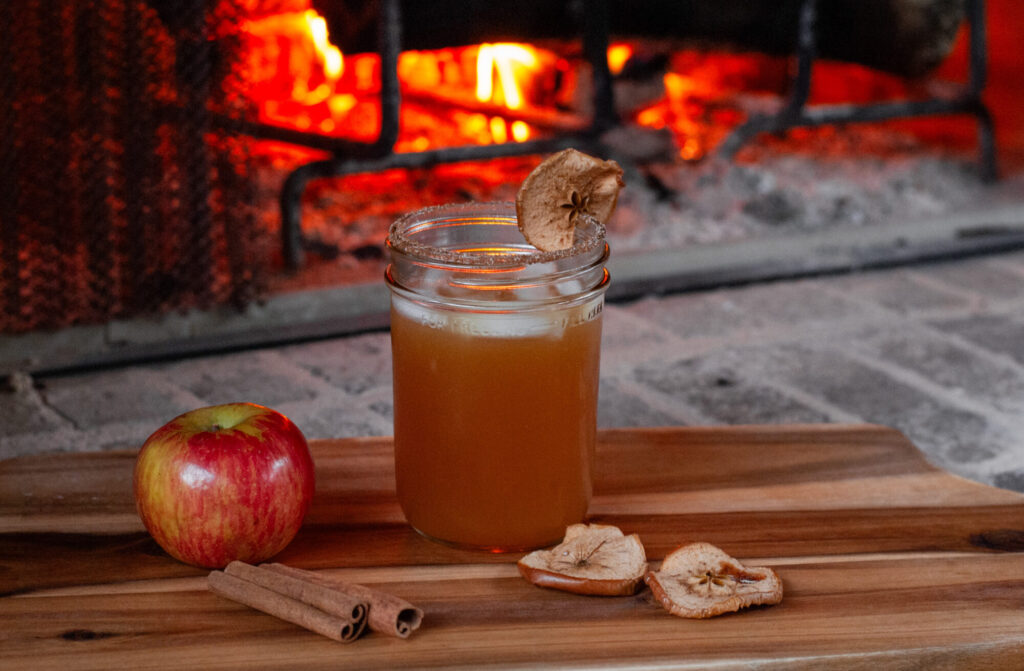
{"x": 904, "y": 37}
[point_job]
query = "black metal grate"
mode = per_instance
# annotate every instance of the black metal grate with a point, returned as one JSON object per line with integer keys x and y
{"x": 117, "y": 195}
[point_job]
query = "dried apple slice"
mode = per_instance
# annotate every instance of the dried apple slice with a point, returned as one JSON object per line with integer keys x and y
{"x": 593, "y": 559}
{"x": 563, "y": 187}
{"x": 699, "y": 581}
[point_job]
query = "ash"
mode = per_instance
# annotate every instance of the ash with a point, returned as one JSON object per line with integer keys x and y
{"x": 807, "y": 180}
{"x": 810, "y": 180}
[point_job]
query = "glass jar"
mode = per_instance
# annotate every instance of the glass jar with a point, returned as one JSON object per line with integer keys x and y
{"x": 496, "y": 350}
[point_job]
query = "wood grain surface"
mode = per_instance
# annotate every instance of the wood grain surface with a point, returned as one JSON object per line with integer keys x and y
{"x": 887, "y": 562}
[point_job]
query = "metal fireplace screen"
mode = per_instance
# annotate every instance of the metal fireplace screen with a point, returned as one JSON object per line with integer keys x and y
{"x": 118, "y": 197}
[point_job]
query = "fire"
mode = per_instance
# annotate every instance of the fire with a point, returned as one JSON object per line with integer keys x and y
{"x": 618, "y": 56}
{"x": 501, "y": 60}
{"x": 299, "y": 79}
{"x": 330, "y": 54}
{"x": 475, "y": 82}
{"x": 489, "y": 93}
{"x": 293, "y": 66}
{"x": 672, "y": 112}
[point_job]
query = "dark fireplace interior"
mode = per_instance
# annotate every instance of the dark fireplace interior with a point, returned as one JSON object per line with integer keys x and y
{"x": 161, "y": 157}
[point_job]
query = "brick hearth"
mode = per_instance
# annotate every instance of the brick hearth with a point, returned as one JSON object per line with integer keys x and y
{"x": 933, "y": 350}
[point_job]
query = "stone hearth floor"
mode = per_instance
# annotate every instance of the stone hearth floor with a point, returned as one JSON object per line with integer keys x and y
{"x": 936, "y": 351}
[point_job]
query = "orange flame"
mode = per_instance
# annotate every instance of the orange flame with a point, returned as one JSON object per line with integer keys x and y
{"x": 618, "y": 56}
{"x": 293, "y": 67}
{"x": 501, "y": 62}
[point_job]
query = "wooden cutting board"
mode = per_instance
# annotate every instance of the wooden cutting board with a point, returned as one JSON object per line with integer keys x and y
{"x": 887, "y": 562}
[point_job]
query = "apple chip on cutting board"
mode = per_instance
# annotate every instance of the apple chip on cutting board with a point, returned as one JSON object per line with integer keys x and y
{"x": 592, "y": 559}
{"x": 700, "y": 581}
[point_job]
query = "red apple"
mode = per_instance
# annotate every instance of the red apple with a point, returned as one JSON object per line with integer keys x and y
{"x": 225, "y": 482}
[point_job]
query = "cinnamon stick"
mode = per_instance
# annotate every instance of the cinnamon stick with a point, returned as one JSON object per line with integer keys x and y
{"x": 331, "y": 601}
{"x": 284, "y": 607}
{"x": 386, "y": 614}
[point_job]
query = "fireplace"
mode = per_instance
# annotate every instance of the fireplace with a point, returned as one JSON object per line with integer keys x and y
{"x": 162, "y": 158}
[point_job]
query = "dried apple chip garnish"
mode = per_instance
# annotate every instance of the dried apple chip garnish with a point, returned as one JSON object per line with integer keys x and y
{"x": 699, "y": 581}
{"x": 593, "y": 559}
{"x": 563, "y": 187}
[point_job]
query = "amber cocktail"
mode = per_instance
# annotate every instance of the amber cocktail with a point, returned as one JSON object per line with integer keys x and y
{"x": 496, "y": 348}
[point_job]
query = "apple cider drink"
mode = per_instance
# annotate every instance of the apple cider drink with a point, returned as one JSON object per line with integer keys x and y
{"x": 495, "y": 349}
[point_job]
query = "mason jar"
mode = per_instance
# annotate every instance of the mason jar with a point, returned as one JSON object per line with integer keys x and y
{"x": 496, "y": 351}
